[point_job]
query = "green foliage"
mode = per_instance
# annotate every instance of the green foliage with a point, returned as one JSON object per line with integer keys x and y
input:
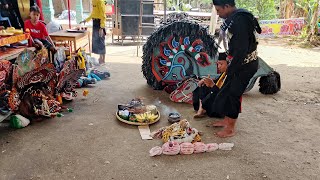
{"x": 265, "y": 9}
{"x": 170, "y": 3}
{"x": 185, "y": 8}
{"x": 308, "y": 6}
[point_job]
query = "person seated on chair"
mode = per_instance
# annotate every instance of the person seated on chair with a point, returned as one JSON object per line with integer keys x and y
{"x": 204, "y": 95}
{"x": 39, "y": 35}
{"x": 7, "y": 10}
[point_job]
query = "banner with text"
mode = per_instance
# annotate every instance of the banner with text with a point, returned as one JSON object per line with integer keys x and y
{"x": 270, "y": 28}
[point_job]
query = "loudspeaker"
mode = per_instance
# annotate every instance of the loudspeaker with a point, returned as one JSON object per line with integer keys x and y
{"x": 130, "y": 25}
{"x": 132, "y": 7}
{"x": 129, "y": 10}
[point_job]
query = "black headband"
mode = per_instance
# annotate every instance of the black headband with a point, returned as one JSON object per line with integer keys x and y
{"x": 222, "y": 56}
{"x": 223, "y": 2}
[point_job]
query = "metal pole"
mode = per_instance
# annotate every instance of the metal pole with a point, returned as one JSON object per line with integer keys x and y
{"x": 69, "y": 14}
{"x": 165, "y": 10}
{"x": 140, "y": 27}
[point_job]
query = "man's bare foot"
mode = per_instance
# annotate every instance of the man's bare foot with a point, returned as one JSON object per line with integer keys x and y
{"x": 222, "y": 123}
{"x": 226, "y": 132}
{"x": 201, "y": 113}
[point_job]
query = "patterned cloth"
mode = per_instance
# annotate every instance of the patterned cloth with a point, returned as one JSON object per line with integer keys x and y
{"x": 178, "y": 132}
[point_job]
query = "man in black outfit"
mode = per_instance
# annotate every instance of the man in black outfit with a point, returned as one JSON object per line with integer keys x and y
{"x": 243, "y": 64}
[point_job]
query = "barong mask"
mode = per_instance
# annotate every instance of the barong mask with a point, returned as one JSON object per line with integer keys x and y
{"x": 33, "y": 87}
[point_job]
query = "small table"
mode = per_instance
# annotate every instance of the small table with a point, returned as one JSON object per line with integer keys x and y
{"x": 64, "y": 35}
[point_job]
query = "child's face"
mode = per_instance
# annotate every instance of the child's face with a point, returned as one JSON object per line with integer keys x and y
{"x": 222, "y": 65}
{"x": 34, "y": 16}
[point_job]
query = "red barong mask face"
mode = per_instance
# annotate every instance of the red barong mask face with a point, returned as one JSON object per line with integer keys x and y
{"x": 37, "y": 101}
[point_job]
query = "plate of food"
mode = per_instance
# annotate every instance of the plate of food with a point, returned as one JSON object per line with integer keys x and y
{"x": 136, "y": 113}
{"x": 78, "y": 30}
{"x": 140, "y": 119}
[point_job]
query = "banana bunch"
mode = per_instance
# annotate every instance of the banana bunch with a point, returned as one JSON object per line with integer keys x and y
{"x": 14, "y": 31}
{"x": 146, "y": 117}
{"x": 5, "y": 33}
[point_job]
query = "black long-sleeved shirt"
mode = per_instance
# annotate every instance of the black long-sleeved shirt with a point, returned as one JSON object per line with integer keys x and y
{"x": 242, "y": 42}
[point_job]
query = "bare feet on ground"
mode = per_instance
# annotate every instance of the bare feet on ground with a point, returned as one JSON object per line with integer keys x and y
{"x": 200, "y": 114}
{"x": 226, "y": 132}
{"x": 222, "y": 123}
{"x": 228, "y": 124}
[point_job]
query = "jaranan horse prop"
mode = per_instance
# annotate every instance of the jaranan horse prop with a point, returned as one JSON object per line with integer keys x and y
{"x": 182, "y": 49}
{"x": 36, "y": 84}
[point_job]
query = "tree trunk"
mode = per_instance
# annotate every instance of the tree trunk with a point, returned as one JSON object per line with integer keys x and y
{"x": 282, "y": 9}
{"x": 312, "y": 36}
{"x": 289, "y": 7}
{"x": 213, "y": 21}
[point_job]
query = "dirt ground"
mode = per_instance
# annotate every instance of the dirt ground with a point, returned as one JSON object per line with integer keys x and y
{"x": 277, "y": 135}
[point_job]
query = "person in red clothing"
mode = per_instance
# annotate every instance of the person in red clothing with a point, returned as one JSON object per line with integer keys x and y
{"x": 39, "y": 3}
{"x": 38, "y": 31}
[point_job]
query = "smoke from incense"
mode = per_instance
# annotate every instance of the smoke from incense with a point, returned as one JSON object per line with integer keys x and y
{"x": 165, "y": 110}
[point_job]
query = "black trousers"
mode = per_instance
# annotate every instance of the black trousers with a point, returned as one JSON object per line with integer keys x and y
{"x": 227, "y": 101}
{"x": 207, "y": 96}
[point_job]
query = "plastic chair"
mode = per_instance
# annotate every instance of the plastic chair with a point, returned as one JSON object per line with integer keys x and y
{"x": 5, "y": 19}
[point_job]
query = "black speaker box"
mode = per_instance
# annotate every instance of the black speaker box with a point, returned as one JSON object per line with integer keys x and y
{"x": 130, "y": 25}
{"x": 132, "y": 7}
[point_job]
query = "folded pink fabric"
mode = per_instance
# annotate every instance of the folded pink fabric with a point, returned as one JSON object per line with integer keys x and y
{"x": 199, "y": 147}
{"x": 155, "y": 151}
{"x": 174, "y": 148}
{"x": 212, "y": 147}
{"x": 171, "y": 148}
{"x": 186, "y": 148}
{"x": 226, "y": 146}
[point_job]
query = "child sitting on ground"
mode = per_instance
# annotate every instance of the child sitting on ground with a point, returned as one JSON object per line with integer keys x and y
{"x": 38, "y": 31}
{"x": 204, "y": 95}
